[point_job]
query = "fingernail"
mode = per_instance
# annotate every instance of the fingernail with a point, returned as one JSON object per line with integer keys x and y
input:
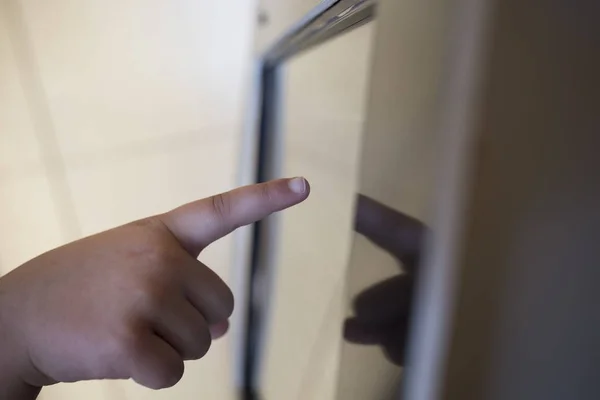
{"x": 297, "y": 185}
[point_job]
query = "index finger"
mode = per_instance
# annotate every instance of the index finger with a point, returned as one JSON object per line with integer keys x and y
{"x": 200, "y": 223}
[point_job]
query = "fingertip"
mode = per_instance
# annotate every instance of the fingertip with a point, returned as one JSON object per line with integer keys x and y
{"x": 299, "y": 186}
{"x": 219, "y": 330}
{"x": 307, "y": 191}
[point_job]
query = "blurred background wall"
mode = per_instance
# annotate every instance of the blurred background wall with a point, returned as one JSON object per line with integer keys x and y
{"x": 112, "y": 111}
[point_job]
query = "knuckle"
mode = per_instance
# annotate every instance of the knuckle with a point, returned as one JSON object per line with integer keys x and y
{"x": 199, "y": 345}
{"x": 143, "y": 223}
{"x": 152, "y": 247}
{"x": 266, "y": 192}
{"x": 228, "y": 302}
{"x": 124, "y": 345}
{"x": 221, "y": 301}
{"x": 160, "y": 256}
{"x": 221, "y": 204}
{"x": 167, "y": 373}
{"x": 152, "y": 294}
{"x": 152, "y": 364}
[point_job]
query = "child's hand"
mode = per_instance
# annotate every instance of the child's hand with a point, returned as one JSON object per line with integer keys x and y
{"x": 132, "y": 302}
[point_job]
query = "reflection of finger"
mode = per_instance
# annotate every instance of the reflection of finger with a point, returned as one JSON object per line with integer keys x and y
{"x": 359, "y": 332}
{"x": 384, "y": 302}
{"x": 389, "y": 229}
{"x": 390, "y": 337}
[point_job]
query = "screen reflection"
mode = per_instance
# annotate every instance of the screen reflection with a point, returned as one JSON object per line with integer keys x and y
{"x": 381, "y": 311}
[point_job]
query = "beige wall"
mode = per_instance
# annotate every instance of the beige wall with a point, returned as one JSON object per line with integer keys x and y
{"x": 111, "y": 111}
{"x": 527, "y": 321}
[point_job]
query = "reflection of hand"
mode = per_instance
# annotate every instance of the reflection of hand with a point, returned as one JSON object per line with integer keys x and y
{"x": 381, "y": 311}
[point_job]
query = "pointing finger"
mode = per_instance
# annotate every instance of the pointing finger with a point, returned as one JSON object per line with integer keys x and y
{"x": 200, "y": 223}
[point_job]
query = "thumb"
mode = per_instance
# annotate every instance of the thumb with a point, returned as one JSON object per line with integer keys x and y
{"x": 198, "y": 224}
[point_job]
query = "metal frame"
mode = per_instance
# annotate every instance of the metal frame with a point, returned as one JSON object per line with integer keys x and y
{"x": 324, "y": 22}
{"x": 328, "y": 20}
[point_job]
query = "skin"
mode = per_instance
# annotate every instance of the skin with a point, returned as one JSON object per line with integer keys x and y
{"x": 129, "y": 303}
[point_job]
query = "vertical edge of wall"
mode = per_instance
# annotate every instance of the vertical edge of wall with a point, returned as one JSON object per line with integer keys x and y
{"x": 457, "y": 112}
{"x": 527, "y": 320}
